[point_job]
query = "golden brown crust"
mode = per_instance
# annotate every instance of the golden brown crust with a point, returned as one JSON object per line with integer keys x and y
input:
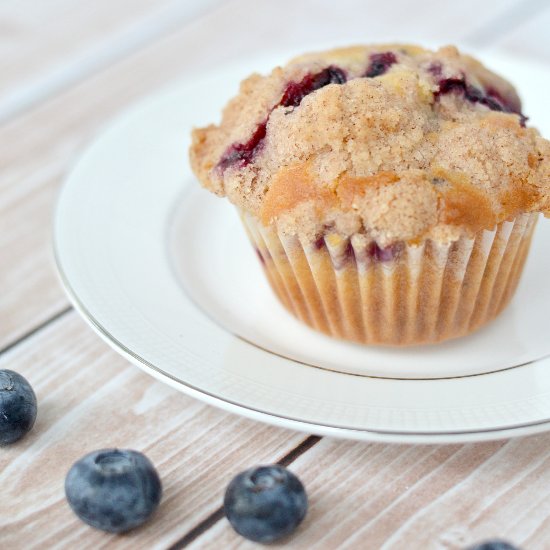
{"x": 392, "y": 156}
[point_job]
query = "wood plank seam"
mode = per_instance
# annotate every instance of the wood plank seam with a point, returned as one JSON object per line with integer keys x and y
{"x": 35, "y": 330}
{"x": 218, "y": 514}
{"x": 125, "y": 44}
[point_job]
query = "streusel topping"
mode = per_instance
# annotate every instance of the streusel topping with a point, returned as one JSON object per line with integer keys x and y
{"x": 395, "y": 141}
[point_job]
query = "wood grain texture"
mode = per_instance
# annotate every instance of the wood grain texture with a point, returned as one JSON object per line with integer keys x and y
{"x": 425, "y": 497}
{"x": 90, "y": 398}
{"x": 44, "y": 46}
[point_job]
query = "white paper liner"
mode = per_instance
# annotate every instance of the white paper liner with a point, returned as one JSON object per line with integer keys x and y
{"x": 347, "y": 288}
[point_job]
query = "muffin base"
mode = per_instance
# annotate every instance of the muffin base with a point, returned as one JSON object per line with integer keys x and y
{"x": 350, "y": 289}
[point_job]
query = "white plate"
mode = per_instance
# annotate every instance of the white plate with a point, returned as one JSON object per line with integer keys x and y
{"x": 162, "y": 270}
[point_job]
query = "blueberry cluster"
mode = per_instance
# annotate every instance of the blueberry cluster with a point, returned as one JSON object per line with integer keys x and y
{"x": 117, "y": 490}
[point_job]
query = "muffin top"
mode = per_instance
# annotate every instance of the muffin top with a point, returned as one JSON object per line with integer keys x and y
{"x": 395, "y": 141}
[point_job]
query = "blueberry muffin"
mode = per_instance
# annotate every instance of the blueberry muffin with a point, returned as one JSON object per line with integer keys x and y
{"x": 390, "y": 191}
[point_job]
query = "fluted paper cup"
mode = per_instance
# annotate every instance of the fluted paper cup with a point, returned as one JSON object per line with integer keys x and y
{"x": 350, "y": 288}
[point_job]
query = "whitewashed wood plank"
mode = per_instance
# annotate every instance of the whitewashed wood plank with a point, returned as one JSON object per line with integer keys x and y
{"x": 423, "y": 497}
{"x": 91, "y": 398}
{"x": 42, "y": 144}
{"x": 30, "y": 292}
{"x": 47, "y": 46}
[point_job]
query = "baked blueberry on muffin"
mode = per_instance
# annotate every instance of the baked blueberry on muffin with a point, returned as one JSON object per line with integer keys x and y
{"x": 390, "y": 191}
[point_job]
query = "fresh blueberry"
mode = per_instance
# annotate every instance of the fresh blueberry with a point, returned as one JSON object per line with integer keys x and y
{"x": 113, "y": 490}
{"x": 495, "y": 544}
{"x": 17, "y": 407}
{"x": 265, "y": 503}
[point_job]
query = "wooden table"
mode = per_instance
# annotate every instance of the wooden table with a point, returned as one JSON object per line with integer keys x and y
{"x": 66, "y": 69}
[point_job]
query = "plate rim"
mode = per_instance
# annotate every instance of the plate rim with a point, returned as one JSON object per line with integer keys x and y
{"x": 361, "y": 434}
